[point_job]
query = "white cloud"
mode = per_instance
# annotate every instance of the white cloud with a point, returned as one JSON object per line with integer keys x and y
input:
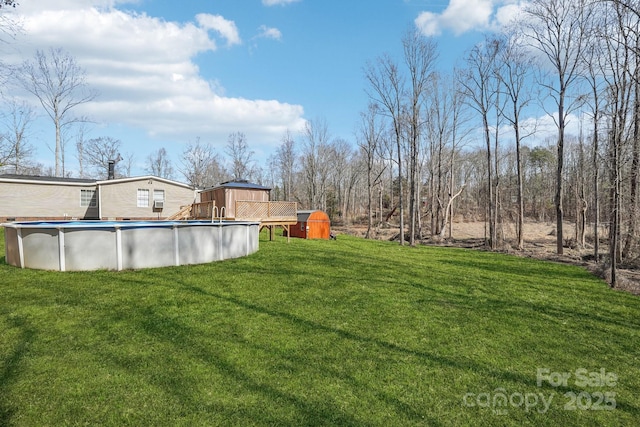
{"x": 506, "y": 14}
{"x": 269, "y": 33}
{"x": 461, "y": 16}
{"x": 278, "y": 2}
{"x": 428, "y": 23}
{"x": 143, "y": 68}
{"x": 117, "y": 35}
{"x": 225, "y": 28}
{"x": 31, "y": 7}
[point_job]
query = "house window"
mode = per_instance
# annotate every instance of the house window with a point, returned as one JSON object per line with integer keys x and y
{"x": 158, "y": 195}
{"x": 143, "y": 198}
{"x": 88, "y": 198}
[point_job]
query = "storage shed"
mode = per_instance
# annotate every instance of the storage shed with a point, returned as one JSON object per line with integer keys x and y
{"x": 312, "y": 224}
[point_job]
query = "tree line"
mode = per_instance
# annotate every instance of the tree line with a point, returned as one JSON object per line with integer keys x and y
{"x": 434, "y": 145}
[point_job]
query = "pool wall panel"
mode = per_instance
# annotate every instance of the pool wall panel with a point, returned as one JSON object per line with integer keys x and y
{"x": 147, "y": 247}
{"x": 79, "y": 245}
{"x": 11, "y": 251}
{"x": 197, "y": 245}
{"x": 41, "y": 249}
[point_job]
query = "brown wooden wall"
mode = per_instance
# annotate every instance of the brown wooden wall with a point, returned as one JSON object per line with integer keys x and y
{"x": 227, "y": 197}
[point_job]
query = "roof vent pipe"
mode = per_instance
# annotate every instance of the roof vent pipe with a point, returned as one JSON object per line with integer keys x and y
{"x": 111, "y": 173}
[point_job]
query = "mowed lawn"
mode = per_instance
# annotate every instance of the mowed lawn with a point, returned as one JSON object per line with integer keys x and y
{"x": 348, "y": 332}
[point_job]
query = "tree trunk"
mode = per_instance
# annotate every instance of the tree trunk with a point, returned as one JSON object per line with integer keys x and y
{"x": 490, "y": 207}
{"x": 596, "y": 189}
{"x": 401, "y": 189}
{"x": 520, "y": 227}
{"x": 559, "y": 183}
{"x": 582, "y": 199}
{"x": 412, "y": 191}
{"x": 369, "y": 205}
{"x": 58, "y": 147}
{"x": 447, "y": 218}
{"x": 615, "y": 217}
{"x": 630, "y": 242}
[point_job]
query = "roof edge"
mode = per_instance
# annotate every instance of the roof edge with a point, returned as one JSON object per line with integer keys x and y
{"x": 46, "y": 180}
{"x": 142, "y": 178}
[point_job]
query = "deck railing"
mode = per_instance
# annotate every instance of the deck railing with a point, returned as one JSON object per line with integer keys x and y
{"x": 267, "y": 211}
{"x": 272, "y": 212}
{"x": 203, "y": 210}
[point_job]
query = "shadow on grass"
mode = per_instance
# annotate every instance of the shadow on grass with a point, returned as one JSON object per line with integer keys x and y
{"x": 461, "y": 364}
{"x": 453, "y": 279}
{"x": 345, "y": 376}
{"x": 11, "y": 366}
{"x": 308, "y": 324}
{"x": 534, "y": 277}
{"x": 178, "y": 383}
{"x": 177, "y": 289}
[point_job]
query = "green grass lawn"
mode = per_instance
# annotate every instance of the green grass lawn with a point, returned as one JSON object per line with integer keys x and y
{"x": 347, "y": 332}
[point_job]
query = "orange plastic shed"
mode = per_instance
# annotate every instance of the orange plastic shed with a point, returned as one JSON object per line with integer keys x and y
{"x": 312, "y": 224}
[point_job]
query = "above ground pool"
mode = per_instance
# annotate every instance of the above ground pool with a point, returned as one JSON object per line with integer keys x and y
{"x": 119, "y": 245}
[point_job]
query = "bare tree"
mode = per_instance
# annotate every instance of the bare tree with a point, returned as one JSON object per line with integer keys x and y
{"x": 514, "y": 71}
{"x": 200, "y": 166}
{"x": 625, "y": 39}
{"x": 593, "y": 76}
{"x": 8, "y": 3}
{"x": 343, "y": 174}
{"x": 558, "y": 30}
{"x": 387, "y": 89}
{"x": 9, "y": 28}
{"x": 443, "y": 137}
{"x": 286, "y": 161}
{"x": 126, "y": 164}
{"x": 15, "y": 151}
{"x": 59, "y": 84}
{"x": 98, "y": 152}
{"x": 619, "y": 75}
{"x": 80, "y": 150}
{"x": 241, "y": 157}
{"x": 370, "y": 142}
{"x": 420, "y": 54}
{"x": 479, "y": 85}
{"x": 632, "y": 238}
{"x": 159, "y": 164}
{"x": 315, "y": 153}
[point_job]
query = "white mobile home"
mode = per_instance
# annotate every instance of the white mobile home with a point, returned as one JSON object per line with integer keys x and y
{"x": 25, "y": 197}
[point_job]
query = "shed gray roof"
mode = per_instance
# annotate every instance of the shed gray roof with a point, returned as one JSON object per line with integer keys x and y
{"x": 242, "y": 184}
{"x": 303, "y": 215}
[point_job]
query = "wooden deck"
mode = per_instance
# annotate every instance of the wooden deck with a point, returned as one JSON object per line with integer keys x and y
{"x": 268, "y": 214}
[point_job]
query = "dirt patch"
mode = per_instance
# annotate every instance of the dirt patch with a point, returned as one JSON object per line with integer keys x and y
{"x": 539, "y": 243}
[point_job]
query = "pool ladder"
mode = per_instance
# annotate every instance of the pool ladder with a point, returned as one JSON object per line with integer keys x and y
{"x": 215, "y": 212}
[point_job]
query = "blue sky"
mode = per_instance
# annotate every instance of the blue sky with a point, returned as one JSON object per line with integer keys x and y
{"x": 170, "y": 72}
